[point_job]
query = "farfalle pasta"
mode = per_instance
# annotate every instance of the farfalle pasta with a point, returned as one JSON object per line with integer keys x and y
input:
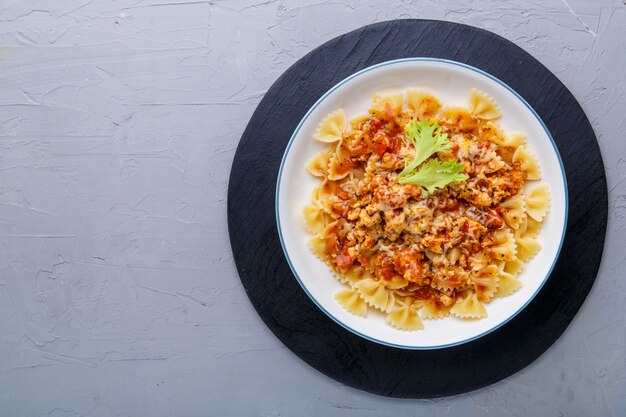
{"x": 424, "y": 210}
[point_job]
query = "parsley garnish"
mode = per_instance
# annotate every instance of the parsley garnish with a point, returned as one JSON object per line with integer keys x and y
{"x": 428, "y": 140}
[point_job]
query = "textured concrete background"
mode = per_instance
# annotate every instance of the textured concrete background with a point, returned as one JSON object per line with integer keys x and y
{"x": 118, "y": 124}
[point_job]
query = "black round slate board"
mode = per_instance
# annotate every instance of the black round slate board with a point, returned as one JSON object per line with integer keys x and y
{"x": 305, "y": 329}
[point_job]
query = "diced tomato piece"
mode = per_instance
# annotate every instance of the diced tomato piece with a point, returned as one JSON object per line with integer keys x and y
{"x": 360, "y": 149}
{"x": 381, "y": 143}
{"x": 375, "y": 125}
{"x": 343, "y": 260}
{"x": 396, "y": 144}
{"x": 339, "y": 208}
{"x": 404, "y": 258}
{"x": 493, "y": 219}
{"x": 332, "y": 244}
{"x": 387, "y": 272}
{"x": 450, "y": 204}
{"x": 423, "y": 292}
{"x": 364, "y": 259}
{"x": 342, "y": 193}
{"x": 345, "y": 165}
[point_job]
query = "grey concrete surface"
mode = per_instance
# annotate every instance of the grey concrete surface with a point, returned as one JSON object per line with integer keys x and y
{"x": 118, "y": 125}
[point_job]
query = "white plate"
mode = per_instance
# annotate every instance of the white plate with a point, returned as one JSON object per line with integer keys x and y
{"x": 451, "y": 82}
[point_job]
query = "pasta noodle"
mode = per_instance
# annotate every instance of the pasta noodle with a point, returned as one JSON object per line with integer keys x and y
{"x": 422, "y": 104}
{"x": 318, "y": 246}
{"x": 314, "y": 218}
{"x": 483, "y": 106}
{"x": 386, "y": 107}
{"x": 421, "y": 210}
{"x": 513, "y": 267}
{"x": 318, "y": 165}
{"x": 332, "y": 127}
{"x": 538, "y": 201}
{"x": 353, "y": 275}
{"x": 513, "y": 211}
{"x": 504, "y": 245}
{"x": 469, "y": 308}
{"x": 352, "y": 302}
{"x": 528, "y": 162}
{"x": 515, "y": 140}
{"x": 405, "y": 317}
{"x": 375, "y": 294}
{"x": 432, "y": 310}
{"x": 507, "y": 283}
{"x": 527, "y": 247}
{"x": 486, "y": 282}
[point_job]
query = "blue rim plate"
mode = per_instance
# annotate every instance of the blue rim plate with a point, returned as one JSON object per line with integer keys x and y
{"x": 292, "y": 187}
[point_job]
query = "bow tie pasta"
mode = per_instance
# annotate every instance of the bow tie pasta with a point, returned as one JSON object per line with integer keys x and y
{"x": 422, "y": 210}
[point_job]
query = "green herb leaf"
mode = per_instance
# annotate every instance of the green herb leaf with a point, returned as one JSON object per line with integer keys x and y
{"x": 427, "y": 140}
{"x": 435, "y": 174}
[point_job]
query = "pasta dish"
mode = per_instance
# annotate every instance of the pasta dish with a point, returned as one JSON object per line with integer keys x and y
{"x": 424, "y": 210}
